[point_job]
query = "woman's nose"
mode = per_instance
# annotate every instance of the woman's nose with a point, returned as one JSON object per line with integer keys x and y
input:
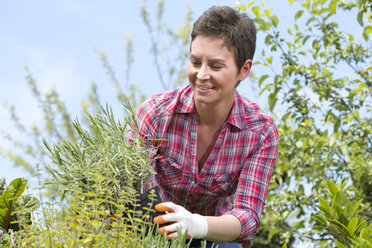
{"x": 203, "y": 73}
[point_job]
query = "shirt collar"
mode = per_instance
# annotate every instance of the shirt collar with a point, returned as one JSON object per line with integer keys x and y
{"x": 236, "y": 117}
{"x": 186, "y": 104}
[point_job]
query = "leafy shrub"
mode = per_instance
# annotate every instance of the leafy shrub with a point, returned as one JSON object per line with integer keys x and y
{"x": 104, "y": 148}
{"x": 338, "y": 218}
{"x": 100, "y": 177}
{"x": 11, "y": 202}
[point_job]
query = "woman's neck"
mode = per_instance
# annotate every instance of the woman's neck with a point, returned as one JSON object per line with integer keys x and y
{"x": 212, "y": 115}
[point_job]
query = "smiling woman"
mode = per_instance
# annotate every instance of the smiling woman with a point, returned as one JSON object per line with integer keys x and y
{"x": 213, "y": 141}
{"x": 217, "y": 149}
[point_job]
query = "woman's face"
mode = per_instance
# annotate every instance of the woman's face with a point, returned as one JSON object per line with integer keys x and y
{"x": 212, "y": 72}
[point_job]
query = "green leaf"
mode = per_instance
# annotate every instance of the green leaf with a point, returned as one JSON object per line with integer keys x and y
{"x": 348, "y": 207}
{"x": 360, "y": 18}
{"x": 269, "y": 59}
{"x": 310, "y": 20}
{"x": 268, "y": 12}
{"x": 272, "y": 100}
{"x": 256, "y": 10}
{"x": 284, "y": 245}
{"x": 342, "y": 218}
{"x": 356, "y": 206}
{"x": 272, "y": 233}
{"x": 352, "y": 226}
{"x": 305, "y": 39}
{"x": 274, "y": 20}
{"x": 332, "y": 140}
{"x": 304, "y": 145}
{"x": 298, "y": 14}
{"x": 241, "y": 7}
{"x": 325, "y": 205}
{"x": 262, "y": 78}
{"x": 332, "y": 6}
{"x": 272, "y": 186}
{"x": 336, "y": 125}
{"x": 8, "y": 200}
{"x": 367, "y": 30}
{"x": 321, "y": 219}
{"x": 338, "y": 198}
{"x": 364, "y": 234}
{"x": 262, "y": 24}
{"x": 339, "y": 245}
{"x": 361, "y": 223}
{"x": 332, "y": 187}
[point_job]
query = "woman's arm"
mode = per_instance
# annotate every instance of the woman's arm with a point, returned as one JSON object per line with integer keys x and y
{"x": 224, "y": 228}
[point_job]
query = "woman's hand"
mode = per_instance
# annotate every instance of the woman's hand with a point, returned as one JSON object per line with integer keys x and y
{"x": 180, "y": 219}
{"x": 225, "y": 228}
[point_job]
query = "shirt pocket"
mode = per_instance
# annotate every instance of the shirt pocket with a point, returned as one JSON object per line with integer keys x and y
{"x": 169, "y": 172}
{"x": 220, "y": 185}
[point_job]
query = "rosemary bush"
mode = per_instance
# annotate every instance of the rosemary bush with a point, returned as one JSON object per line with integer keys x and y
{"x": 100, "y": 177}
{"x": 104, "y": 148}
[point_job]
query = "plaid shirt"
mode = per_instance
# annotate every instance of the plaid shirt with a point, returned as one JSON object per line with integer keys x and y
{"x": 235, "y": 178}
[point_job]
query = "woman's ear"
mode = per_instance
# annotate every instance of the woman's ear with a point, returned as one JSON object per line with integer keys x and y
{"x": 245, "y": 70}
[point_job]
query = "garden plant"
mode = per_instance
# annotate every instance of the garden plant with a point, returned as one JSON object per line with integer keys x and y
{"x": 99, "y": 178}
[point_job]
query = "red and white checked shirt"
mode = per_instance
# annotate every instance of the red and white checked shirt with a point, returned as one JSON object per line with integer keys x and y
{"x": 234, "y": 179}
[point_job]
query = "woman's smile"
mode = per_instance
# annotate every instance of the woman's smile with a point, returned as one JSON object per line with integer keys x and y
{"x": 204, "y": 89}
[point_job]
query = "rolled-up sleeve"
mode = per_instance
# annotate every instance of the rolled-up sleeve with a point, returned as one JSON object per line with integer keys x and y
{"x": 253, "y": 185}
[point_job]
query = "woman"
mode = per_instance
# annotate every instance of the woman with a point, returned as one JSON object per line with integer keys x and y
{"x": 218, "y": 149}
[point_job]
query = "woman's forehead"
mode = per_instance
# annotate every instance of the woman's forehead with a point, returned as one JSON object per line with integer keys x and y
{"x": 210, "y": 45}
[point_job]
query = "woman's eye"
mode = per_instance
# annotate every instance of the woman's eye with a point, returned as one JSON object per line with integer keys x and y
{"x": 194, "y": 62}
{"x": 216, "y": 67}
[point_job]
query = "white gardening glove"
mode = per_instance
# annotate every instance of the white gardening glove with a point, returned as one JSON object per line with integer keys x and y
{"x": 180, "y": 219}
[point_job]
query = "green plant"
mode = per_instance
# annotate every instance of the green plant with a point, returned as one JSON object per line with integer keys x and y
{"x": 101, "y": 176}
{"x": 106, "y": 148}
{"x": 86, "y": 222}
{"x": 339, "y": 218}
{"x": 316, "y": 75}
{"x": 14, "y": 206}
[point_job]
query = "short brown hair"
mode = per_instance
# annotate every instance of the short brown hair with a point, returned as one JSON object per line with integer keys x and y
{"x": 236, "y": 30}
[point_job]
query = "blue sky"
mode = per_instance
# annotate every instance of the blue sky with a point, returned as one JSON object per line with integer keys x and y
{"x": 55, "y": 40}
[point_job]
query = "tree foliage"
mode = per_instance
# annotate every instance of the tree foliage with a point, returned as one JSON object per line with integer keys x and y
{"x": 321, "y": 76}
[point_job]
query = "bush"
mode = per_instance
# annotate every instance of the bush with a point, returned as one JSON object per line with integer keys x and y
{"x": 100, "y": 178}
